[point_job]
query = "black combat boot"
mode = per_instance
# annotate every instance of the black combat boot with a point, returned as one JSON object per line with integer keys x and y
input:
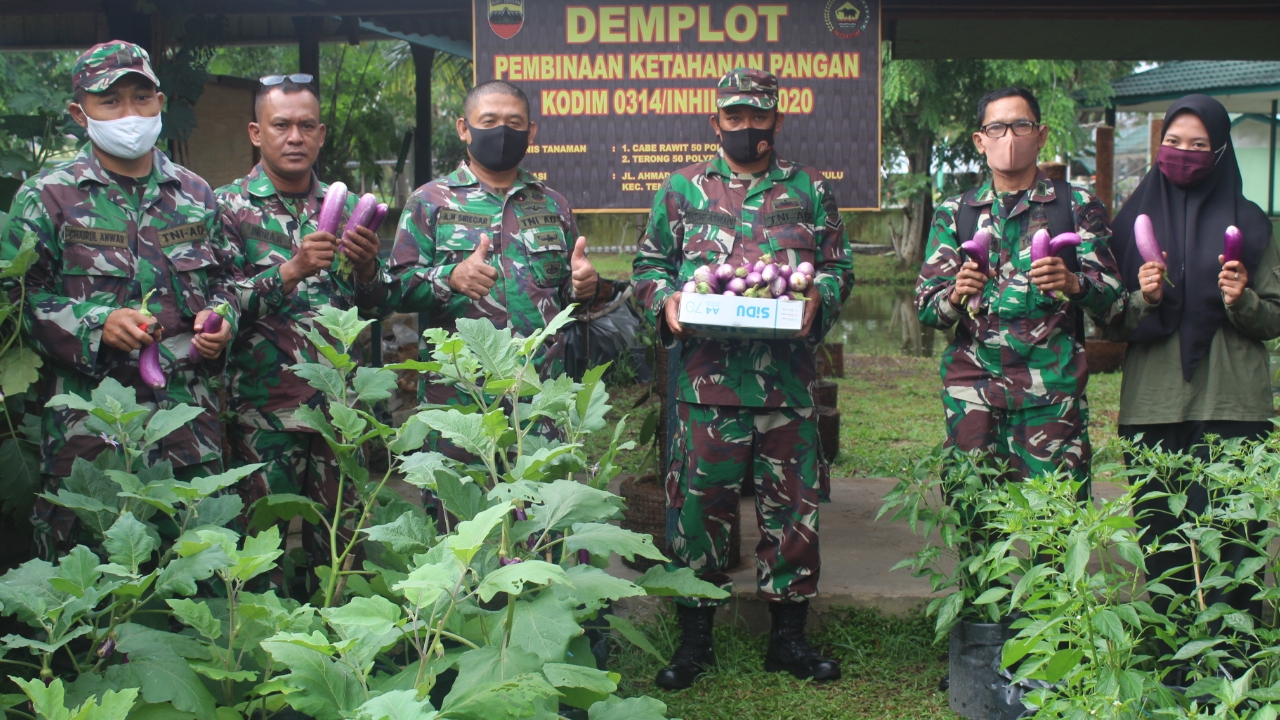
{"x": 694, "y": 655}
{"x": 789, "y": 651}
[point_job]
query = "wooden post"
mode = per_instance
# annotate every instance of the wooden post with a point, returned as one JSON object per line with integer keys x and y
{"x": 308, "y": 30}
{"x": 1154, "y": 139}
{"x": 1104, "y": 185}
{"x": 423, "y": 60}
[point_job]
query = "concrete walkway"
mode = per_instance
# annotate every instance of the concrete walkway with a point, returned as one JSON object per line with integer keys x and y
{"x": 857, "y": 554}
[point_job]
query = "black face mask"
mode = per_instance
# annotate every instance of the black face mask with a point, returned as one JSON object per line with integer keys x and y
{"x": 740, "y": 145}
{"x": 498, "y": 148}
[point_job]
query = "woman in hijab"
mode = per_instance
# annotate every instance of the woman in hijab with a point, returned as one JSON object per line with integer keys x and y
{"x": 1196, "y": 363}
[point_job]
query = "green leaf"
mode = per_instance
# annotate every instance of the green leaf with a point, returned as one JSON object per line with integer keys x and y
{"x": 327, "y": 690}
{"x": 629, "y": 631}
{"x": 373, "y": 384}
{"x": 593, "y": 588}
{"x": 129, "y": 542}
{"x": 429, "y": 581}
{"x": 602, "y": 539}
{"x": 323, "y": 378}
{"x": 582, "y": 687}
{"x": 992, "y": 595}
{"x": 544, "y": 627}
{"x": 167, "y": 420}
{"x": 1061, "y": 663}
{"x": 211, "y": 484}
{"x": 409, "y": 437}
{"x": 77, "y": 572}
{"x": 180, "y": 575}
{"x": 470, "y": 535}
{"x": 197, "y": 615}
{"x": 282, "y": 507}
{"x": 258, "y": 554}
{"x": 344, "y": 325}
{"x": 373, "y": 615}
{"x": 492, "y": 347}
{"x": 460, "y": 496}
{"x": 214, "y": 511}
{"x": 19, "y": 370}
{"x": 218, "y": 674}
{"x": 408, "y": 533}
{"x": 48, "y": 702}
{"x": 512, "y": 578}
{"x": 1195, "y": 648}
{"x": 636, "y": 708}
{"x": 464, "y": 430}
{"x": 397, "y": 705}
{"x": 1077, "y": 556}
{"x": 156, "y": 666}
{"x": 565, "y": 502}
{"x": 681, "y": 583}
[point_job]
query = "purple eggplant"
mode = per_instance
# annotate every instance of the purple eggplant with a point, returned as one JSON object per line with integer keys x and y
{"x": 1040, "y": 245}
{"x": 737, "y": 285}
{"x": 785, "y": 271}
{"x": 729, "y": 293}
{"x": 978, "y": 249}
{"x": 778, "y": 287}
{"x": 212, "y": 325}
{"x": 805, "y": 268}
{"x": 704, "y": 274}
{"x": 505, "y": 561}
{"x": 363, "y": 214}
{"x": 724, "y": 273}
{"x": 379, "y": 214}
{"x": 584, "y": 557}
{"x": 1063, "y": 241}
{"x": 1232, "y": 244}
{"x": 758, "y": 266}
{"x": 769, "y": 273}
{"x": 754, "y": 279}
{"x": 335, "y": 199}
{"x": 518, "y": 514}
{"x": 149, "y": 365}
{"x": 799, "y": 281}
{"x": 690, "y": 287}
{"x": 1144, "y": 236}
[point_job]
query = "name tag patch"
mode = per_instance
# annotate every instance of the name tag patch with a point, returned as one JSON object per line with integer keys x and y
{"x": 249, "y": 231}
{"x": 455, "y": 217}
{"x": 710, "y": 217}
{"x": 539, "y": 220}
{"x": 793, "y": 216}
{"x": 94, "y": 236}
{"x": 189, "y": 233}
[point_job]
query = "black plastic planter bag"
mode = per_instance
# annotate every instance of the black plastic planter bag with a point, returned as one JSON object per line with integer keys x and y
{"x": 979, "y": 690}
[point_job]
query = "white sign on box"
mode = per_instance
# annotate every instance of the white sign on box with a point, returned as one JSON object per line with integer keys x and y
{"x": 725, "y": 316}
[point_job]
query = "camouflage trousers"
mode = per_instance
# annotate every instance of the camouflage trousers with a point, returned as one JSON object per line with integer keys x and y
{"x": 298, "y": 463}
{"x": 715, "y": 447}
{"x": 1030, "y": 441}
{"x": 57, "y": 529}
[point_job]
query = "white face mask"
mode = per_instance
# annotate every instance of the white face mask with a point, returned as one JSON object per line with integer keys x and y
{"x": 128, "y": 137}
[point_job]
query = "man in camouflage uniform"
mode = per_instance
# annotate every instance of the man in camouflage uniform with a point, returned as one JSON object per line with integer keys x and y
{"x": 490, "y": 240}
{"x": 746, "y": 405}
{"x": 112, "y": 225}
{"x": 286, "y": 271}
{"x": 1014, "y": 378}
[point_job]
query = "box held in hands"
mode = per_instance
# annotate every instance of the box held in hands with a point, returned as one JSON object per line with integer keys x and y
{"x": 724, "y": 316}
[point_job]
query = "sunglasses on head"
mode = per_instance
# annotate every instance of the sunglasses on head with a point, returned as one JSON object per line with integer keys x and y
{"x": 299, "y": 78}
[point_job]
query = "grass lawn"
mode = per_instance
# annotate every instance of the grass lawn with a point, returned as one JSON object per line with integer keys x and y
{"x": 890, "y": 669}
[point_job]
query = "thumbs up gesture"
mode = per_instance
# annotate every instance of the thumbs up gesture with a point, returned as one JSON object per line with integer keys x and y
{"x": 474, "y": 276}
{"x": 584, "y": 273}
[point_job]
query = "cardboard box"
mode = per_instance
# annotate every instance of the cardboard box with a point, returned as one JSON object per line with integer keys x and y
{"x": 723, "y": 316}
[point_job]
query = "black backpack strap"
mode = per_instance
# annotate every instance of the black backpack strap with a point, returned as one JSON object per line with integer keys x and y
{"x": 1061, "y": 218}
{"x": 967, "y": 220}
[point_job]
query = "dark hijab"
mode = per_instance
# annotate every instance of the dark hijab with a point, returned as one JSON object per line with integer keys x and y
{"x": 1189, "y": 224}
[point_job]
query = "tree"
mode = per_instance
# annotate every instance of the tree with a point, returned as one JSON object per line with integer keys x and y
{"x": 928, "y": 119}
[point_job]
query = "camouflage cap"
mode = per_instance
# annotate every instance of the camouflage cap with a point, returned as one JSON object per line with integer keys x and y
{"x": 103, "y": 64}
{"x": 747, "y": 86}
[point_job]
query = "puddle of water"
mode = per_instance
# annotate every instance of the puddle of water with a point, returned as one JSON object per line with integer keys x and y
{"x": 881, "y": 320}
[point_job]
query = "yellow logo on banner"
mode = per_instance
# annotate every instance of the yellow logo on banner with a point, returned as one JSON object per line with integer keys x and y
{"x": 506, "y": 17}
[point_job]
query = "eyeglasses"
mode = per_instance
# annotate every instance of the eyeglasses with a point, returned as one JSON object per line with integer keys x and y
{"x": 997, "y": 130}
{"x": 299, "y": 78}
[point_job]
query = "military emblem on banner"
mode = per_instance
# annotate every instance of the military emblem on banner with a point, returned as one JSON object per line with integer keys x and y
{"x": 506, "y": 17}
{"x": 846, "y": 18}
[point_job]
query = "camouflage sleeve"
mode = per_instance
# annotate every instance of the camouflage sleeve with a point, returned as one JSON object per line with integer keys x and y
{"x": 378, "y": 297}
{"x": 1257, "y": 313}
{"x": 64, "y": 330}
{"x": 657, "y": 258}
{"x": 423, "y": 286}
{"x": 938, "y": 273}
{"x": 834, "y": 264}
{"x": 1102, "y": 294}
{"x": 569, "y": 224}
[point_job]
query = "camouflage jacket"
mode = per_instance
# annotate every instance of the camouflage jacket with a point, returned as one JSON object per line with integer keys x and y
{"x": 705, "y": 215}
{"x": 263, "y": 230}
{"x": 1021, "y": 350}
{"x": 531, "y": 233}
{"x": 100, "y": 250}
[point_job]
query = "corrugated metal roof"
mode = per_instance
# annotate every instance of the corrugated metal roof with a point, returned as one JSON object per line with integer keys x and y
{"x": 1189, "y": 76}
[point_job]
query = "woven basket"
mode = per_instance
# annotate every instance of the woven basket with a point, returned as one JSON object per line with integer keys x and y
{"x": 646, "y": 514}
